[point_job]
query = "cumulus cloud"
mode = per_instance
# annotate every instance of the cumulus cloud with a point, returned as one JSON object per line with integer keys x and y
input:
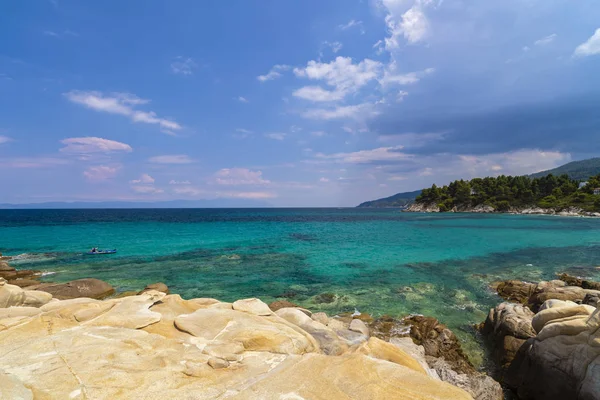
{"x": 183, "y": 66}
{"x": 145, "y": 178}
{"x": 240, "y": 176}
{"x": 171, "y": 159}
{"x": 174, "y": 182}
{"x": 121, "y": 104}
{"x": 242, "y": 99}
{"x": 91, "y": 144}
{"x": 100, "y": 172}
{"x": 4, "y": 139}
{"x": 590, "y": 47}
{"x": 545, "y": 40}
{"x": 341, "y": 74}
{"x": 411, "y": 24}
{"x": 274, "y": 73}
{"x": 391, "y": 77}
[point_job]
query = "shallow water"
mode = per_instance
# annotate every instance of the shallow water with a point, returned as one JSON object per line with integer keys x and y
{"x": 376, "y": 261}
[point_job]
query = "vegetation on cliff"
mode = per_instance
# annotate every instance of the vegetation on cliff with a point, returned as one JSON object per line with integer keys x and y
{"x": 397, "y": 200}
{"x": 504, "y": 193}
{"x": 579, "y": 170}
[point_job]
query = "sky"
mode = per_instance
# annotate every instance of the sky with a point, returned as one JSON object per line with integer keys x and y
{"x": 289, "y": 103}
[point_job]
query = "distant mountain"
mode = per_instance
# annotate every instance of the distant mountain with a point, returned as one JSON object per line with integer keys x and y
{"x": 578, "y": 170}
{"x": 216, "y": 203}
{"x": 397, "y": 200}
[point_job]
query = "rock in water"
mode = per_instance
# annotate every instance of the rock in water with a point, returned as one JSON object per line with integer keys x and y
{"x": 159, "y": 287}
{"x": 92, "y": 288}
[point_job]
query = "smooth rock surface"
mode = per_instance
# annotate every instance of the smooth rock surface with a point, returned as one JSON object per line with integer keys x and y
{"x": 91, "y": 288}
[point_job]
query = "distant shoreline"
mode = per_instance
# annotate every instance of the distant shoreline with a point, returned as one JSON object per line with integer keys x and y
{"x": 482, "y": 209}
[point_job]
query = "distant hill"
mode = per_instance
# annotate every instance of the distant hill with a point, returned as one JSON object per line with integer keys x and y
{"x": 397, "y": 200}
{"x": 214, "y": 203}
{"x": 578, "y": 170}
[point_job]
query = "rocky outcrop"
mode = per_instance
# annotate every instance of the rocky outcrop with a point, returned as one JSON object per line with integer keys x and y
{"x": 14, "y": 296}
{"x": 576, "y": 281}
{"x": 441, "y": 353}
{"x": 421, "y": 207}
{"x": 156, "y": 346}
{"x": 159, "y": 287}
{"x": 534, "y": 295}
{"x": 92, "y": 288}
{"x": 563, "y": 360}
{"x": 507, "y": 327}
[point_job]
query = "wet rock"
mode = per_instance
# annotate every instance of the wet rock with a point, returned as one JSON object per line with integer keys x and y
{"x": 4, "y": 267}
{"x": 159, "y": 287}
{"x": 387, "y": 327}
{"x": 514, "y": 290}
{"x": 439, "y": 341}
{"x": 582, "y": 283}
{"x": 276, "y": 305}
{"x": 325, "y": 298}
{"x": 506, "y": 329}
{"x": 91, "y": 288}
{"x": 23, "y": 283}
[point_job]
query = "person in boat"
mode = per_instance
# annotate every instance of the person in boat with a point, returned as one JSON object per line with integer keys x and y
{"x": 94, "y": 250}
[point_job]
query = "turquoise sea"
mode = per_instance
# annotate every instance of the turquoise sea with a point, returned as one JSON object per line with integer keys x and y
{"x": 374, "y": 261}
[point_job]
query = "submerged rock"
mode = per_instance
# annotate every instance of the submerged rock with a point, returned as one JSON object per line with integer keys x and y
{"x": 92, "y": 288}
{"x": 159, "y": 287}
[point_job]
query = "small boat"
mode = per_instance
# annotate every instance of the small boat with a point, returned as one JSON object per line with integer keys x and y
{"x": 98, "y": 252}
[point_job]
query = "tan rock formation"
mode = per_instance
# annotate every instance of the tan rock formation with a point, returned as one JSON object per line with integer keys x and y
{"x": 157, "y": 346}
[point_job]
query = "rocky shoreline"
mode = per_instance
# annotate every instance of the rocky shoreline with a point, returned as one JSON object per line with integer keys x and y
{"x": 79, "y": 340}
{"x": 486, "y": 209}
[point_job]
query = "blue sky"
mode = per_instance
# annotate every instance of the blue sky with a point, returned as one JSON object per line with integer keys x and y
{"x": 293, "y": 103}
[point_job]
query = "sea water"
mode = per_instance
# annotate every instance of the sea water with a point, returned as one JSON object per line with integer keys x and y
{"x": 374, "y": 261}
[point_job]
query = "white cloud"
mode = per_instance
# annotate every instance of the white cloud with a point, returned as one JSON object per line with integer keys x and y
{"x": 357, "y": 112}
{"x": 171, "y": 159}
{"x": 274, "y": 73}
{"x": 401, "y": 95}
{"x": 397, "y": 178}
{"x": 389, "y": 76}
{"x": 183, "y": 66}
{"x": 526, "y": 49}
{"x": 352, "y": 24}
{"x": 189, "y": 190}
{"x": 147, "y": 189}
{"x": 334, "y": 46}
{"x": 275, "y": 136}
{"x": 145, "y": 178}
{"x": 367, "y": 156}
{"x": 589, "y": 47}
{"x": 519, "y": 162}
{"x": 545, "y": 40}
{"x": 318, "y": 133}
{"x": 4, "y": 139}
{"x": 174, "y": 182}
{"x": 100, "y": 172}
{"x": 318, "y": 94}
{"x": 239, "y": 176}
{"x": 342, "y": 74}
{"x": 90, "y": 144}
{"x": 242, "y": 133}
{"x": 242, "y": 99}
{"x": 121, "y": 104}
{"x": 324, "y": 180}
{"x": 411, "y": 24}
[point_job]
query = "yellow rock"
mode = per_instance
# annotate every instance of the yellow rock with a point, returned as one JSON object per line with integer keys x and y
{"x": 386, "y": 351}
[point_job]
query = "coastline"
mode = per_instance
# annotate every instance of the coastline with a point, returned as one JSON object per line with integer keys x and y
{"x": 485, "y": 209}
